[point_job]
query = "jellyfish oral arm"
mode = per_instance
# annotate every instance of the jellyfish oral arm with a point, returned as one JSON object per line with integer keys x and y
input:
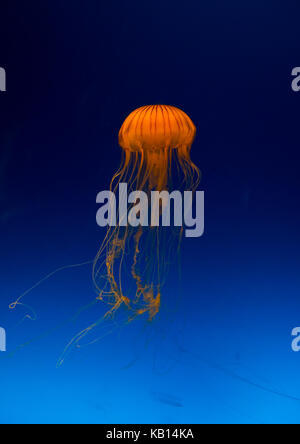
{"x": 133, "y": 209}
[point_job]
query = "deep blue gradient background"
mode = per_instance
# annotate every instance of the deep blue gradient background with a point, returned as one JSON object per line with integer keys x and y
{"x": 75, "y": 70}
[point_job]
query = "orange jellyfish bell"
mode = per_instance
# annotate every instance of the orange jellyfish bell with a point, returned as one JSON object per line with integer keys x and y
{"x": 156, "y": 133}
{"x": 156, "y": 126}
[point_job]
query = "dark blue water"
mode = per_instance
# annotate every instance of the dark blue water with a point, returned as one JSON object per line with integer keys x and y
{"x": 74, "y": 72}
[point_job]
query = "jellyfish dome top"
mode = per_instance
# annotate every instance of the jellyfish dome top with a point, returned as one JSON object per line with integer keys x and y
{"x": 156, "y": 126}
{"x": 153, "y": 135}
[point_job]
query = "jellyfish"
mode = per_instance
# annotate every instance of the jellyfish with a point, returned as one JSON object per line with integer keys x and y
{"x": 132, "y": 263}
{"x": 130, "y": 268}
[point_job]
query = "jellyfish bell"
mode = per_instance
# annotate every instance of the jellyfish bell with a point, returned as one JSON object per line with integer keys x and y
{"x": 152, "y": 135}
{"x": 156, "y": 127}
